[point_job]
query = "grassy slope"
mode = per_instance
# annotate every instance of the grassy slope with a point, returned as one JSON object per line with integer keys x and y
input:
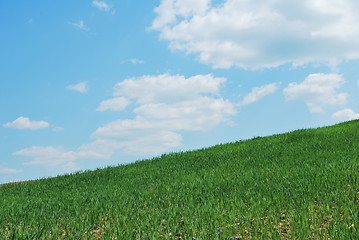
{"x": 298, "y": 185}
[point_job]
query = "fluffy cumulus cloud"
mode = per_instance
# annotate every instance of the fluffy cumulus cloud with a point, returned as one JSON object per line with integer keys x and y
{"x": 26, "y": 123}
{"x": 168, "y": 88}
{"x": 165, "y": 105}
{"x": 258, "y": 93}
{"x": 318, "y": 90}
{"x": 345, "y": 115}
{"x": 259, "y": 34}
{"x": 79, "y": 87}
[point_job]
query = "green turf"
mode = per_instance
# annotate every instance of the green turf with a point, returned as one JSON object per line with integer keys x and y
{"x": 298, "y": 185}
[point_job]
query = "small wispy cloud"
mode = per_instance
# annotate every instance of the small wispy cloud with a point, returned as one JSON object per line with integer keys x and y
{"x": 48, "y": 156}
{"x": 80, "y": 25}
{"x": 258, "y": 93}
{"x": 9, "y": 170}
{"x": 103, "y": 6}
{"x": 56, "y": 157}
{"x": 26, "y": 123}
{"x": 80, "y": 87}
{"x": 58, "y": 129}
{"x": 114, "y": 104}
{"x": 134, "y": 61}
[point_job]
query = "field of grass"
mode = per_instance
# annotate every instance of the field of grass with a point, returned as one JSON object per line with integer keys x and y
{"x": 298, "y": 185}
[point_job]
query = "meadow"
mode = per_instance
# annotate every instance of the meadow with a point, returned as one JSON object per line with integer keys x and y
{"x": 298, "y": 185}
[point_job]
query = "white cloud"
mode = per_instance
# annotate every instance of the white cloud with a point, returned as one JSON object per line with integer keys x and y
{"x": 166, "y": 105}
{"x": 345, "y": 115}
{"x": 318, "y": 90}
{"x": 167, "y": 88}
{"x": 80, "y": 87}
{"x": 152, "y": 144}
{"x": 9, "y": 170}
{"x": 51, "y": 156}
{"x": 260, "y": 34}
{"x": 198, "y": 115}
{"x": 57, "y": 157}
{"x": 170, "y": 9}
{"x": 144, "y": 142}
{"x": 26, "y": 123}
{"x": 80, "y": 25}
{"x": 134, "y": 61}
{"x": 114, "y": 104}
{"x": 258, "y": 93}
{"x": 102, "y": 5}
{"x": 58, "y": 129}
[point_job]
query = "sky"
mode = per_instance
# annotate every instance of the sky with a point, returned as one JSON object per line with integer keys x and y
{"x": 89, "y": 84}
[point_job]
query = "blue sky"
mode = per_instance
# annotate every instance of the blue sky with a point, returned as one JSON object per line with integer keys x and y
{"x": 88, "y": 84}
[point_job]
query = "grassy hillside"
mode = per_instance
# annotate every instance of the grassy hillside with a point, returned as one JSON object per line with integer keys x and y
{"x": 299, "y": 185}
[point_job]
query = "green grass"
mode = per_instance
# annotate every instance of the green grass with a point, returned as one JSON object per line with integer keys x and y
{"x": 298, "y": 185}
